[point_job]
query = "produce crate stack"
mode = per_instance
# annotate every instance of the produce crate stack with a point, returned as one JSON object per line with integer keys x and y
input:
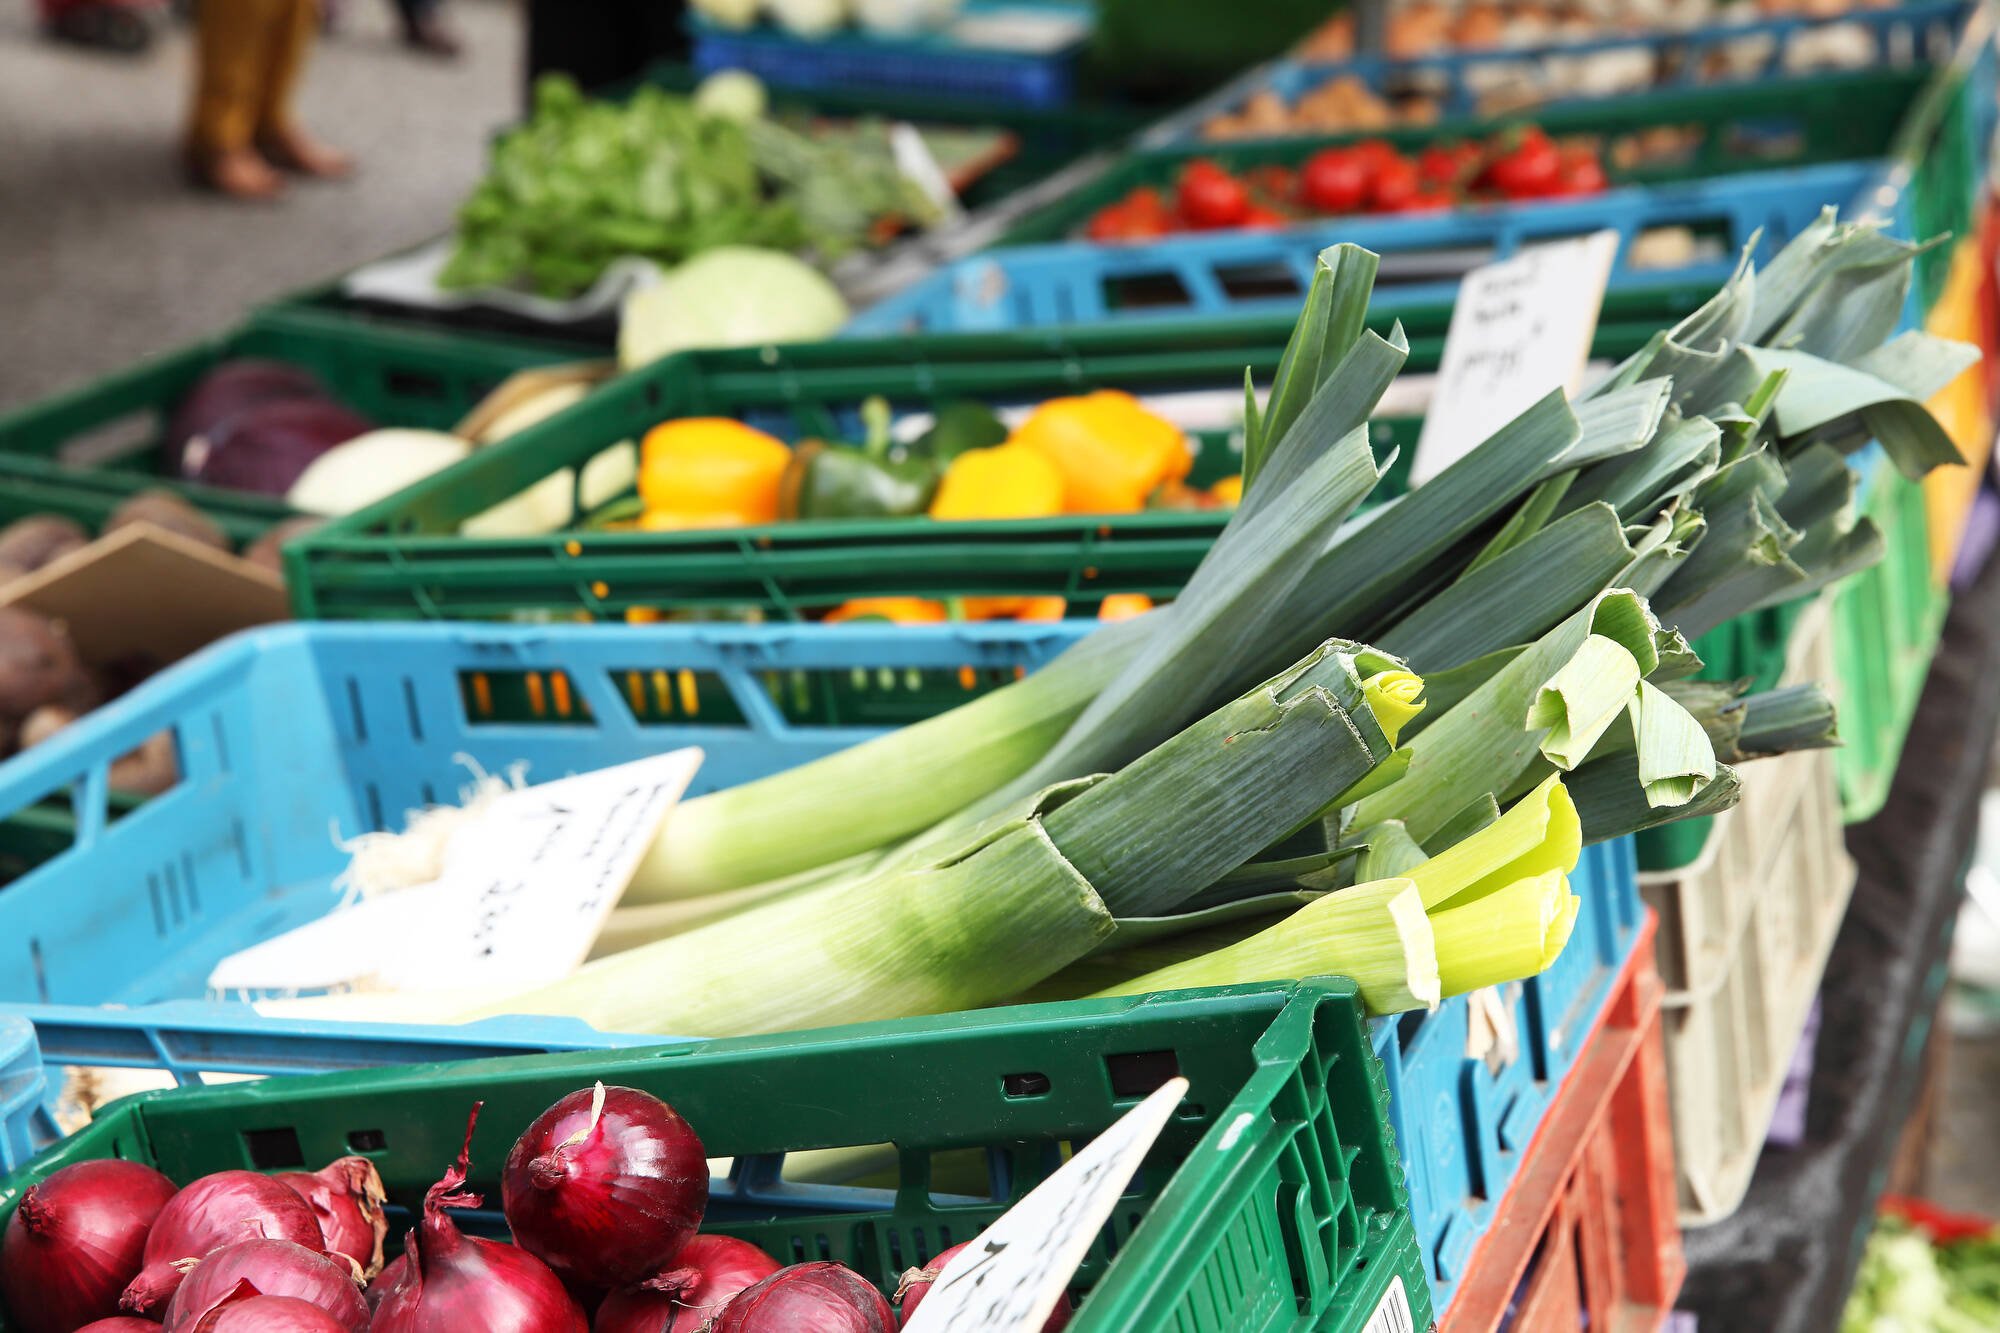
{"x": 1586, "y": 1238}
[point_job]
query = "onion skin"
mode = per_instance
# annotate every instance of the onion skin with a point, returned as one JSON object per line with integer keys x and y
{"x": 264, "y": 449}
{"x": 707, "y": 1272}
{"x": 807, "y": 1298}
{"x": 606, "y": 1187}
{"x": 121, "y": 1323}
{"x": 916, "y": 1284}
{"x": 74, "y": 1242}
{"x": 347, "y": 1197}
{"x": 247, "y": 1310}
{"x": 449, "y": 1282}
{"x": 215, "y": 1211}
{"x": 273, "y": 1268}
{"x": 228, "y": 389}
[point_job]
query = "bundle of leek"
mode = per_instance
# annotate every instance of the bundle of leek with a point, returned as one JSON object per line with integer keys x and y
{"x": 1214, "y": 792}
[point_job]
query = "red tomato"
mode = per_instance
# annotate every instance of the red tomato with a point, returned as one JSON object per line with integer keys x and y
{"x": 1428, "y": 200}
{"x": 1581, "y": 173}
{"x": 1527, "y": 168}
{"x": 1395, "y": 186}
{"x": 1333, "y": 180}
{"x": 1130, "y": 219}
{"x": 1273, "y": 182}
{"x": 1210, "y": 197}
{"x": 1447, "y": 164}
{"x": 1262, "y": 218}
{"x": 1374, "y": 152}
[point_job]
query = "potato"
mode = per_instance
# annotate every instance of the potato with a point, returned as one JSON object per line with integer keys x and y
{"x": 39, "y": 539}
{"x": 265, "y": 550}
{"x": 38, "y": 664}
{"x": 45, "y": 722}
{"x": 148, "y": 770}
{"x": 165, "y": 509}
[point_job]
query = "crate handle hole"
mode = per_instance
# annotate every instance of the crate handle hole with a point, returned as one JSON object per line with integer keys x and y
{"x": 367, "y": 1140}
{"x": 1140, "y": 1073}
{"x": 273, "y": 1149}
{"x": 1025, "y": 1085}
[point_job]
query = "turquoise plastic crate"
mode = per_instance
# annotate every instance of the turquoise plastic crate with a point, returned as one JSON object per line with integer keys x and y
{"x": 26, "y": 1127}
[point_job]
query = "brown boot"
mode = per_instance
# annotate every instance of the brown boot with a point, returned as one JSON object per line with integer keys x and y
{"x": 295, "y": 150}
{"x": 237, "y": 172}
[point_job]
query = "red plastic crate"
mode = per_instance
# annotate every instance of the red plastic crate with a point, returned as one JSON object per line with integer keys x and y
{"x": 1587, "y": 1235}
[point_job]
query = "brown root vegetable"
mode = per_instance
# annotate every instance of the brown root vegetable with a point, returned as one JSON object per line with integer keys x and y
{"x": 165, "y": 509}
{"x": 38, "y": 664}
{"x": 149, "y": 770}
{"x": 45, "y": 722}
{"x": 40, "y": 539}
{"x": 265, "y": 551}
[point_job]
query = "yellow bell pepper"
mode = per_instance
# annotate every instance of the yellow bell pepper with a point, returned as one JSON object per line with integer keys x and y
{"x": 1112, "y": 453}
{"x": 1005, "y": 481}
{"x": 709, "y": 472}
{"x": 1227, "y": 492}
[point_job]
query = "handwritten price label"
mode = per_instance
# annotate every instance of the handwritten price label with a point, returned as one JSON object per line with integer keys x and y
{"x": 525, "y": 890}
{"x": 1521, "y": 327}
{"x": 1011, "y": 1277}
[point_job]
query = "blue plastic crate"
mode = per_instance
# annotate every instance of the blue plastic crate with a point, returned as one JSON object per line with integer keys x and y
{"x": 1423, "y": 256}
{"x": 1463, "y": 1126}
{"x": 291, "y": 735}
{"x": 932, "y": 64}
{"x": 1917, "y": 31}
{"x": 26, "y": 1127}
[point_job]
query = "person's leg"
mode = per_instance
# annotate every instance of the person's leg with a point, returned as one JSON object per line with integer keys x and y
{"x": 231, "y": 38}
{"x": 278, "y": 135}
{"x": 424, "y": 29}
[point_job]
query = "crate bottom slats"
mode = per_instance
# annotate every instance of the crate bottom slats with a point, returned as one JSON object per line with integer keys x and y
{"x": 1586, "y": 1236}
{"x": 1743, "y": 938}
{"x": 1273, "y": 1201}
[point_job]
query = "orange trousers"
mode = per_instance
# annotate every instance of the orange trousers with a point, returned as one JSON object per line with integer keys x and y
{"x": 248, "y": 56}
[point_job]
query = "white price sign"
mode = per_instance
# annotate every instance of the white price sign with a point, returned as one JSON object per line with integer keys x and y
{"x": 526, "y": 887}
{"x": 1520, "y": 327}
{"x": 1011, "y": 1277}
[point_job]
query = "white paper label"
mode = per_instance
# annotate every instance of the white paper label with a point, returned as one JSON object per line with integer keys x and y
{"x": 1011, "y": 1277}
{"x": 1491, "y": 1034}
{"x": 527, "y": 886}
{"x": 1520, "y": 328}
{"x": 1392, "y": 1315}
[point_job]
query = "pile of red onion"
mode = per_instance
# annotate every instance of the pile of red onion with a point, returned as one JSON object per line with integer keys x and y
{"x": 604, "y": 1192}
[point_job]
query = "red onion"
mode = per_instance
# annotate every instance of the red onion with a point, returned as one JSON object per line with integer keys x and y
{"x": 215, "y": 1211}
{"x": 264, "y": 448}
{"x": 606, "y": 1186}
{"x": 385, "y": 1281}
{"x": 227, "y": 390}
{"x": 274, "y": 1268}
{"x": 449, "y": 1282}
{"x": 244, "y": 1309}
{"x": 74, "y": 1242}
{"x": 706, "y": 1273}
{"x": 121, "y": 1323}
{"x": 807, "y": 1298}
{"x": 347, "y": 1198}
{"x": 916, "y": 1284}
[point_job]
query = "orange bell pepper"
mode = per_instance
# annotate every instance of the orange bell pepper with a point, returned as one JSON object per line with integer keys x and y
{"x": 902, "y": 610}
{"x": 1004, "y": 481}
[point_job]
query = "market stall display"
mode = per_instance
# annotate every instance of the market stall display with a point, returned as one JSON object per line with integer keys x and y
{"x": 1405, "y": 833}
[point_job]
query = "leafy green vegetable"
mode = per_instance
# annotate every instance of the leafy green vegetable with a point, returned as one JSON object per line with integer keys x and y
{"x": 585, "y": 182}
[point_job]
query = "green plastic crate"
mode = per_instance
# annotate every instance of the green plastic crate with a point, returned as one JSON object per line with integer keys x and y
{"x": 1743, "y": 127}
{"x": 1886, "y": 622}
{"x": 1940, "y": 152}
{"x": 402, "y": 559}
{"x": 1274, "y": 1199}
{"x": 1046, "y": 140}
{"x": 394, "y": 377}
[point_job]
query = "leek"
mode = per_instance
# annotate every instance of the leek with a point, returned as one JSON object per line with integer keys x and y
{"x": 1509, "y": 934}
